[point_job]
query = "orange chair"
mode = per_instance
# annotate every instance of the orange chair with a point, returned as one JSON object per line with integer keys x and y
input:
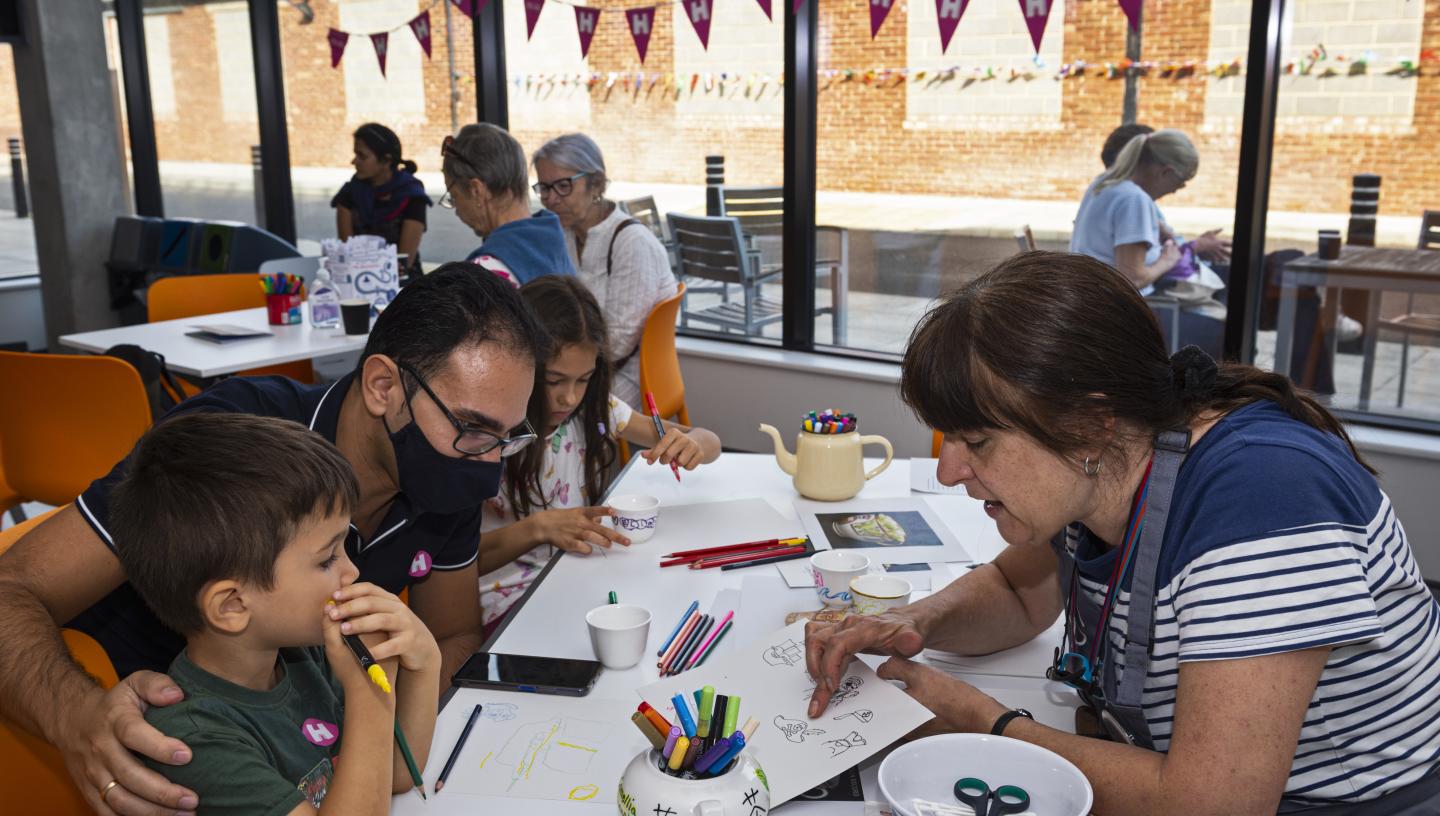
{"x": 936, "y": 440}
{"x": 32, "y": 772}
{"x": 193, "y": 295}
{"x": 660, "y": 365}
{"x": 66, "y": 420}
{"x": 8, "y": 497}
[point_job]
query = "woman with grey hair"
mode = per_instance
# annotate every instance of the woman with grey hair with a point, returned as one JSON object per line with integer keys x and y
{"x": 619, "y": 260}
{"x": 485, "y": 180}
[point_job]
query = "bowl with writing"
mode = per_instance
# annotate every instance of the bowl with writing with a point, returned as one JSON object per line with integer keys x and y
{"x": 921, "y": 775}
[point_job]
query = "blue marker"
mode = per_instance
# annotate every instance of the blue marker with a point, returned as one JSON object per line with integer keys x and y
{"x": 710, "y": 757}
{"x": 682, "y": 710}
{"x": 694, "y": 605}
{"x": 737, "y": 744}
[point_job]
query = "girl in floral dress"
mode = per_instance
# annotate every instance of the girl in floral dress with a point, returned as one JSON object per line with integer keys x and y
{"x": 551, "y": 491}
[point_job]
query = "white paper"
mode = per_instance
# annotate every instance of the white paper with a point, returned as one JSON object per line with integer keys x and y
{"x": 797, "y": 573}
{"x": 1029, "y": 659}
{"x": 923, "y": 480}
{"x": 798, "y": 753}
{"x": 767, "y": 600}
{"x": 890, "y": 531}
{"x": 229, "y": 330}
{"x": 536, "y": 746}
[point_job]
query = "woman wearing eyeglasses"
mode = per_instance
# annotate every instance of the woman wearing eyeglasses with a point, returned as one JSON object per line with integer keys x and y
{"x": 1242, "y": 614}
{"x": 485, "y": 184}
{"x": 383, "y": 198}
{"x": 619, "y": 259}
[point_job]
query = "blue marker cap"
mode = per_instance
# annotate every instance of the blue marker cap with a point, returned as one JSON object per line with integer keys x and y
{"x": 737, "y": 744}
{"x": 682, "y": 710}
{"x": 710, "y": 757}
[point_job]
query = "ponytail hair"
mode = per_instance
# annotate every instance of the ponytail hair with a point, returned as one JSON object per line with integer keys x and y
{"x": 1169, "y": 148}
{"x": 383, "y": 142}
{"x": 1063, "y": 362}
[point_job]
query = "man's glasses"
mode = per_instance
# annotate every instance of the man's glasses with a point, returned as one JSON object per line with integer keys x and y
{"x": 562, "y": 187}
{"x": 472, "y": 440}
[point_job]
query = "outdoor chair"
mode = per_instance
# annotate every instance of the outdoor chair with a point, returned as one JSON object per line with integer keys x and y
{"x": 1412, "y": 323}
{"x": 711, "y": 248}
{"x": 646, "y": 212}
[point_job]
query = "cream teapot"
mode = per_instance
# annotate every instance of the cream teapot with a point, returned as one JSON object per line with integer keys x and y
{"x": 828, "y": 466}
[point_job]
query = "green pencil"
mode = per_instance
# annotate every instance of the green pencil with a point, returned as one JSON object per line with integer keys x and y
{"x": 409, "y": 760}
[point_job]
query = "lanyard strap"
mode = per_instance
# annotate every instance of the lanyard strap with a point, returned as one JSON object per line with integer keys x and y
{"x": 1117, "y": 575}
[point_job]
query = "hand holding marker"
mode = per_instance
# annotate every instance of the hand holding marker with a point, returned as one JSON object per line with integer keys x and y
{"x": 660, "y": 430}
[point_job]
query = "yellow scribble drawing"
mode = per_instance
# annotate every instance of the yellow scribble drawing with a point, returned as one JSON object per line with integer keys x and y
{"x": 488, "y": 754}
{"x": 576, "y": 747}
{"x": 581, "y": 793}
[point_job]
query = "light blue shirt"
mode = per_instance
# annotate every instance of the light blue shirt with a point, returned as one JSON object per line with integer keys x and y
{"x": 1120, "y": 214}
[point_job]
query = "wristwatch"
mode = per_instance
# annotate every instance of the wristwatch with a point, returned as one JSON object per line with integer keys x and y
{"x": 999, "y": 728}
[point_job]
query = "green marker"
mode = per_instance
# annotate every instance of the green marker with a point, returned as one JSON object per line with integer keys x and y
{"x": 707, "y": 708}
{"x": 732, "y": 714}
{"x": 613, "y": 597}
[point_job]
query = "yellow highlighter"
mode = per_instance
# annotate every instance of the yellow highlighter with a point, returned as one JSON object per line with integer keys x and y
{"x": 367, "y": 662}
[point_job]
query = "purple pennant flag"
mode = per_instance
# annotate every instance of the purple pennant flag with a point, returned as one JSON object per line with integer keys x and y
{"x": 796, "y": 8}
{"x": 879, "y": 10}
{"x": 532, "y": 16}
{"x": 1132, "y": 12}
{"x": 382, "y": 45}
{"x": 699, "y": 13}
{"x": 949, "y": 13}
{"x": 421, "y": 26}
{"x": 585, "y": 20}
{"x": 1036, "y": 12}
{"x": 467, "y": 7}
{"x": 765, "y": 7}
{"x": 337, "y": 46}
{"x": 640, "y": 20}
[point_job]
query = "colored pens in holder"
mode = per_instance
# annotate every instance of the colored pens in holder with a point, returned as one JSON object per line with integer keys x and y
{"x": 829, "y": 421}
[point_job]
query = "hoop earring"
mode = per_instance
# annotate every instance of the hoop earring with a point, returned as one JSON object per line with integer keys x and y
{"x": 1092, "y": 470}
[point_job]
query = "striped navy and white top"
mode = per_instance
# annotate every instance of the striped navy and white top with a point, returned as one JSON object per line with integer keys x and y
{"x": 1278, "y": 540}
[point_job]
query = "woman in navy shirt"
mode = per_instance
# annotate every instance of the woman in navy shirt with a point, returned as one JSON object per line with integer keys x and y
{"x": 383, "y": 197}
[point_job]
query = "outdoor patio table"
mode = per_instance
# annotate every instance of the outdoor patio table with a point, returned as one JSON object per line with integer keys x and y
{"x": 1416, "y": 271}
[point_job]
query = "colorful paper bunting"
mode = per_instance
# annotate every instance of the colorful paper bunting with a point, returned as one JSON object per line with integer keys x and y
{"x": 948, "y": 12}
{"x": 338, "y": 39}
{"x": 421, "y": 26}
{"x": 1036, "y": 12}
{"x": 585, "y": 21}
{"x": 641, "y": 21}
{"x": 532, "y": 16}
{"x": 1132, "y": 13}
{"x": 879, "y": 10}
{"x": 381, "y": 42}
{"x": 699, "y": 13}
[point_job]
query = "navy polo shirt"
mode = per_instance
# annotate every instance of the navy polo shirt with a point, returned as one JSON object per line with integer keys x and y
{"x": 405, "y": 547}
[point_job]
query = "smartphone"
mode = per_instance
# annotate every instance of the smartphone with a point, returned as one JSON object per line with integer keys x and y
{"x": 541, "y": 675}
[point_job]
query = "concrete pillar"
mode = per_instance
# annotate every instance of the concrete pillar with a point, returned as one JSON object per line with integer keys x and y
{"x": 77, "y": 184}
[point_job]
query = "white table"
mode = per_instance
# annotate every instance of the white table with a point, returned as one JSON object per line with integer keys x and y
{"x": 550, "y": 620}
{"x": 200, "y": 358}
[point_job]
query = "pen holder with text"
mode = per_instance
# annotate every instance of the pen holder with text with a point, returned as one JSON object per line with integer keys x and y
{"x": 741, "y": 790}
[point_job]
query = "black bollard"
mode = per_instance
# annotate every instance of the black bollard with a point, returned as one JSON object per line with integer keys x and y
{"x": 714, "y": 180}
{"x": 17, "y": 177}
{"x": 259, "y": 186}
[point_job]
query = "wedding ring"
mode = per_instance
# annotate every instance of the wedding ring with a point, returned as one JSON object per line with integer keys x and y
{"x": 105, "y": 791}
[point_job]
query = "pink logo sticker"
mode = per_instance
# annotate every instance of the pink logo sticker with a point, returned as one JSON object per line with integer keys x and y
{"x": 320, "y": 732}
{"x": 420, "y": 566}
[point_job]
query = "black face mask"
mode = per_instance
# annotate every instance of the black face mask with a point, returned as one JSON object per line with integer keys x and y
{"x": 436, "y": 483}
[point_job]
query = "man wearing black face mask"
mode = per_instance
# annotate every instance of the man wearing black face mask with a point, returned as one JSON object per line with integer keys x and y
{"x": 438, "y": 399}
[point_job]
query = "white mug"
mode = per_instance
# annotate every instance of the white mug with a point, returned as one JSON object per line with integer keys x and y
{"x": 618, "y": 633}
{"x": 876, "y": 593}
{"x": 833, "y": 570}
{"x": 635, "y": 516}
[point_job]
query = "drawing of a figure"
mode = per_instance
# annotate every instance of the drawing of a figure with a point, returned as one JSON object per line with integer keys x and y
{"x": 845, "y": 743}
{"x": 784, "y": 654}
{"x": 498, "y": 712}
{"x": 864, "y": 715}
{"x": 557, "y": 745}
{"x": 795, "y": 730}
{"x": 849, "y": 687}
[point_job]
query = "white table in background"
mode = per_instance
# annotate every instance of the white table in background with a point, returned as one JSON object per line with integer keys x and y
{"x": 550, "y": 620}
{"x": 200, "y": 358}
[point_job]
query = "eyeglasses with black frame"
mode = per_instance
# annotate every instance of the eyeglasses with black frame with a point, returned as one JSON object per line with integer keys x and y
{"x": 448, "y": 151}
{"x": 560, "y": 187}
{"x": 470, "y": 439}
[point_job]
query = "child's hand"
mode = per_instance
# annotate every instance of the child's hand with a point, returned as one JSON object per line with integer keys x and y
{"x": 343, "y": 663}
{"x": 678, "y": 447}
{"x": 576, "y": 529}
{"x": 364, "y": 608}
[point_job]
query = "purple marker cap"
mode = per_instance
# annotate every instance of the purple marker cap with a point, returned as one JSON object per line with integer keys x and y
{"x": 675, "y": 734}
{"x": 722, "y": 747}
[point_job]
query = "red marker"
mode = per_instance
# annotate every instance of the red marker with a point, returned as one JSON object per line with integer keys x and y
{"x": 659, "y": 429}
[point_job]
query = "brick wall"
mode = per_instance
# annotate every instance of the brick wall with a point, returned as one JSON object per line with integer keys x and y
{"x": 1033, "y": 138}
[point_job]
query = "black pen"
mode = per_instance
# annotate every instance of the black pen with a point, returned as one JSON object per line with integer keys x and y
{"x": 455, "y": 752}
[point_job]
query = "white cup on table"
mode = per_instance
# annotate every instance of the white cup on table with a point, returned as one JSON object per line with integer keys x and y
{"x": 833, "y": 571}
{"x": 635, "y": 516}
{"x": 618, "y": 633}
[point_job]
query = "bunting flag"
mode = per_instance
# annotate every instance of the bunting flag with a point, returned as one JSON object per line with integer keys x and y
{"x": 467, "y": 7}
{"x": 532, "y": 16}
{"x": 948, "y": 12}
{"x": 765, "y": 7}
{"x": 699, "y": 13}
{"x": 337, "y": 46}
{"x": 640, "y": 20}
{"x": 796, "y": 8}
{"x": 382, "y": 45}
{"x": 585, "y": 20}
{"x": 879, "y": 10}
{"x": 1132, "y": 13}
{"x": 421, "y": 26}
{"x": 1036, "y": 12}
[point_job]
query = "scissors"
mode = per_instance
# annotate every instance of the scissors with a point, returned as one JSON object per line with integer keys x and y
{"x": 985, "y": 802}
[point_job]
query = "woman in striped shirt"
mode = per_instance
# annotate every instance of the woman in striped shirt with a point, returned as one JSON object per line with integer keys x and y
{"x": 1243, "y": 616}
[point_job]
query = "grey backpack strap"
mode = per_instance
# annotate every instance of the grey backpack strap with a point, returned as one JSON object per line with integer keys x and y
{"x": 610, "y": 253}
{"x": 1170, "y": 450}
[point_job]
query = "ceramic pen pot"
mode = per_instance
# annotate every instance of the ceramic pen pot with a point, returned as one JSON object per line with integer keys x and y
{"x": 645, "y": 789}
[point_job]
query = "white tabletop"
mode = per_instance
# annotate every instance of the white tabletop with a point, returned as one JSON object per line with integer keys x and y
{"x": 551, "y": 620}
{"x": 201, "y": 358}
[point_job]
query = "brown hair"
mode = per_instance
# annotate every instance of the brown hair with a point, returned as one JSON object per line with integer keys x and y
{"x": 1054, "y": 344}
{"x": 208, "y": 496}
{"x": 569, "y": 315}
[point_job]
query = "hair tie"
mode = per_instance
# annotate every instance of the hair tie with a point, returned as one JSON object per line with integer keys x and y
{"x": 1193, "y": 373}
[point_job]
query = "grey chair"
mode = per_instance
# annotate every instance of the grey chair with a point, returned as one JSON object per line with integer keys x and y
{"x": 646, "y": 212}
{"x": 761, "y": 212}
{"x": 1411, "y": 323}
{"x": 711, "y": 248}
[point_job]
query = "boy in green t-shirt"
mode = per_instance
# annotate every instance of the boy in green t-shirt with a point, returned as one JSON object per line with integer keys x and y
{"x": 232, "y": 529}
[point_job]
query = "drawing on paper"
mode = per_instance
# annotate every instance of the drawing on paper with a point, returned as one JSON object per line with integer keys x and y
{"x": 498, "y": 712}
{"x": 560, "y": 744}
{"x": 864, "y": 715}
{"x": 849, "y": 687}
{"x": 845, "y": 743}
{"x": 795, "y": 730}
{"x": 583, "y": 793}
{"x": 788, "y": 653}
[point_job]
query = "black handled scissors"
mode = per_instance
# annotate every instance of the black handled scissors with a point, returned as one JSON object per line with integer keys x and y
{"x": 1003, "y": 800}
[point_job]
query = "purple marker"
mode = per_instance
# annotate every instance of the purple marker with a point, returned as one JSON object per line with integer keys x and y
{"x": 737, "y": 744}
{"x": 675, "y": 734}
{"x": 722, "y": 747}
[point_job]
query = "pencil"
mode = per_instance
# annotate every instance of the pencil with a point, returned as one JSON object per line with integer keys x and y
{"x": 455, "y": 752}
{"x": 746, "y": 558}
{"x": 703, "y": 561}
{"x": 409, "y": 760}
{"x": 749, "y": 545}
{"x": 690, "y": 623}
{"x": 805, "y": 552}
{"x": 693, "y": 606}
{"x": 710, "y": 647}
{"x": 720, "y": 627}
{"x": 677, "y": 661}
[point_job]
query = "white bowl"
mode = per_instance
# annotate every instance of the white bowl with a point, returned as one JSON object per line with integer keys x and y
{"x": 928, "y": 768}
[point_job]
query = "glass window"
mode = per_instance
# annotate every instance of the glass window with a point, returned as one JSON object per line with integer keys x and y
{"x": 1352, "y": 124}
